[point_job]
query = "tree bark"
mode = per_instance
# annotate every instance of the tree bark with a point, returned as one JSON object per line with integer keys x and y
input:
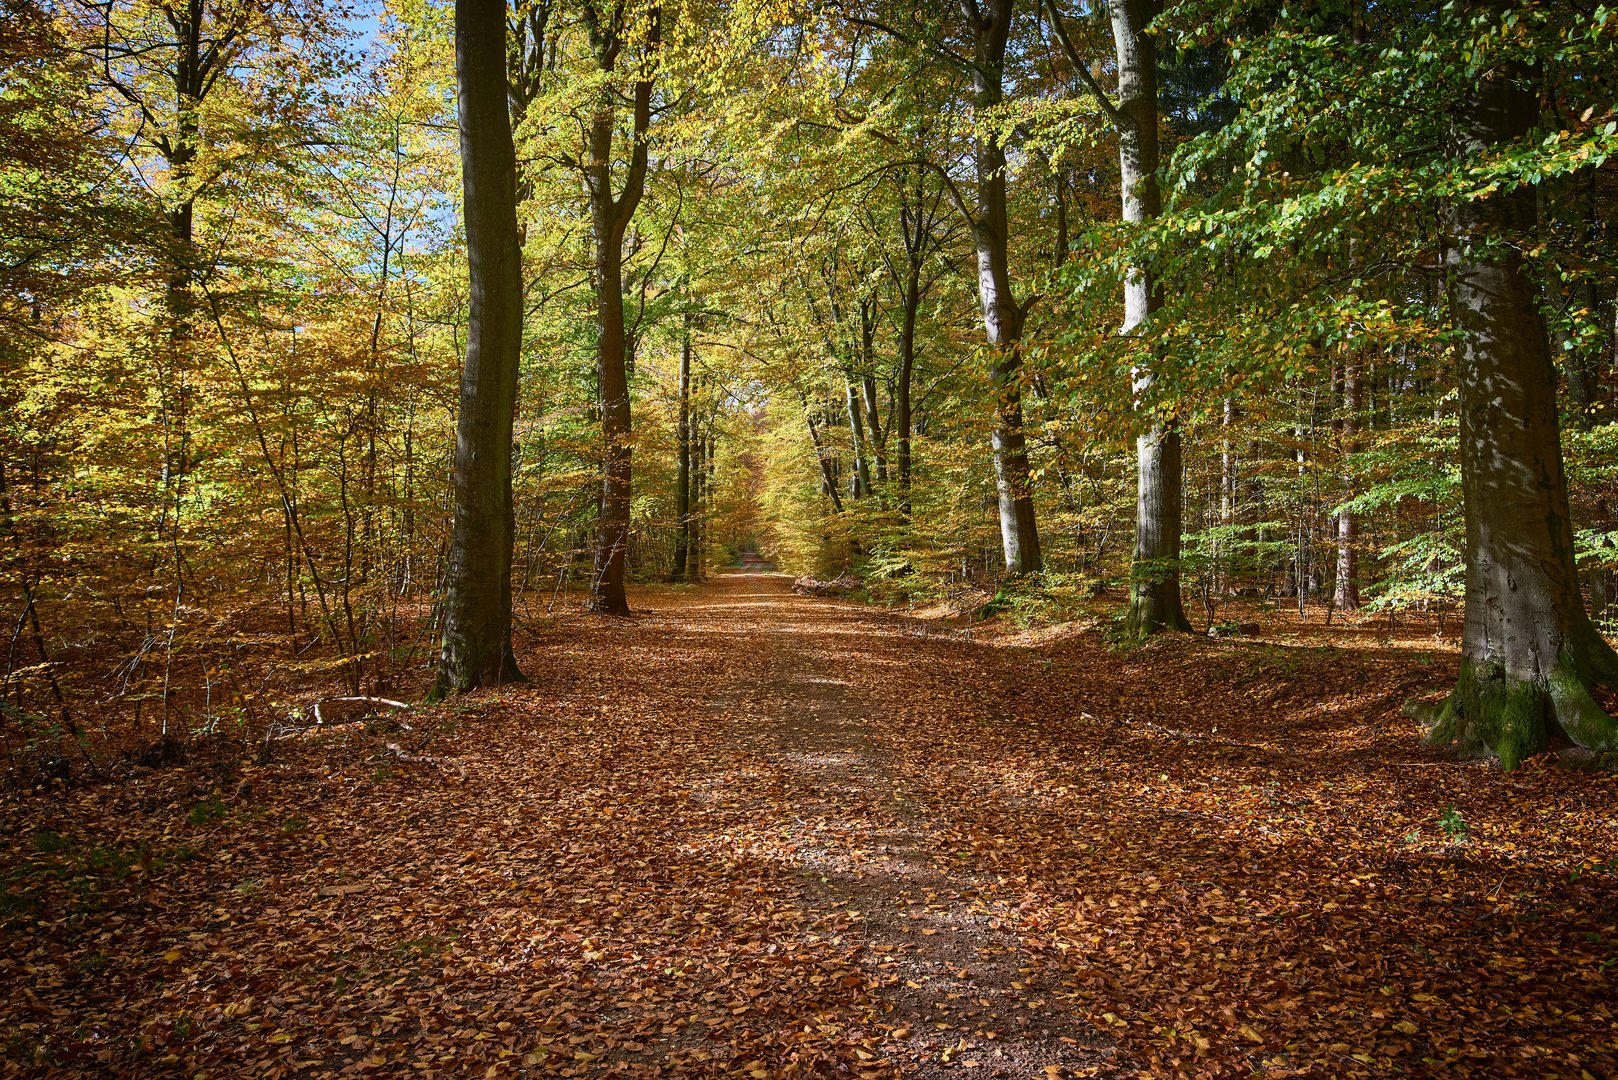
{"x": 1529, "y": 653}
{"x": 1154, "y": 595}
{"x": 610, "y": 214}
{"x": 682, "y": 481}
{"x": 1347, "y": 595}
{"x": 859, "y": 485}
{"x": 1002, "y": 316}
{"x": 476, "y": 648}
{"x": 1227, "y": 496}
{"x": 828, "y": 479}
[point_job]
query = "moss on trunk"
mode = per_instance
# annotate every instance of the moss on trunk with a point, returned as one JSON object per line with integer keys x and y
{"x": 1513, "y": 719}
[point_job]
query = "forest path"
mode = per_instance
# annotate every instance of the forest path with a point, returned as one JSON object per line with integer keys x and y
{"x": 746, "y": 833}
{"x": 956, "y": 988}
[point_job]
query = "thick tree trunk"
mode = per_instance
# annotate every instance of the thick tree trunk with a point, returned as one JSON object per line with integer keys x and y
{"x": 1154, "y": 595}
{"x": 1002, "y": 316}
{"x": 477, "y": 599}
{"x": 682, "y": 480}
{"x": 1529, "y": 652}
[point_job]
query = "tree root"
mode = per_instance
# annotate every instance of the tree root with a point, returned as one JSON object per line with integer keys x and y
{"x": 1514, "y": 719}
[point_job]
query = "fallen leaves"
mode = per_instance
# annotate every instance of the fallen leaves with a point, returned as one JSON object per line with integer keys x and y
{"x": 1202, "y": 858}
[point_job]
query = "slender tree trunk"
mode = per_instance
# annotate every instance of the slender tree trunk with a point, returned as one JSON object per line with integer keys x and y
{"x": 828, "y": 478}
{"x": 1529, "y": 653}
{"x": 903, "y": 422}
{"x": 1154, "y": 600}
{"x": 1002, "y": 316}
{"x": 710, "y": 464}
{"x": 607, "y": 594}
{"x": 698, "y": 496}
{"x": 879, "y": 435}
{"x": 860, "y": 479}
{"x": 1347, "y": 596}
{"x": 682, "y": 481}
{"x": 477, "y": 599}
{"x": 610, "y": 215}
{"x": 1227, "y": 495}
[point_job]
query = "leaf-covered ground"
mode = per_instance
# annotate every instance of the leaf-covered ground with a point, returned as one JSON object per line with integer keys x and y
{"x": 747, "y": 833}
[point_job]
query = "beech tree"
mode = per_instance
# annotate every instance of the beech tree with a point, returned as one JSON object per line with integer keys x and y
{"x": 1530, "y": 654}
{"x": 1154, "y": 594}
{"x": 477, "y": 590}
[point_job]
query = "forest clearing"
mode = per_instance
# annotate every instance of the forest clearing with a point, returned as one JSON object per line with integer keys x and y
{"x": 783, "y": 538}
{"x": 804, "y": 837}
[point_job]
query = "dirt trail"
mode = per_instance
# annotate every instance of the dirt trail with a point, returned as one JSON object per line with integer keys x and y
{"x": 751, "y": 834}
{"x": 959, "y": 990}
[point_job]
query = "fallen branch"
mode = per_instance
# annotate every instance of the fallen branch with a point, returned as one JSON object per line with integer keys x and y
{"x": 320, "y": 719}
{"x": 442, "y": 764}
{"x": 808, "y": 586}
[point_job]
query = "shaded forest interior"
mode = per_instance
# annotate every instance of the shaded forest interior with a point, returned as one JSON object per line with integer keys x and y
{"x": 793, "y": 538}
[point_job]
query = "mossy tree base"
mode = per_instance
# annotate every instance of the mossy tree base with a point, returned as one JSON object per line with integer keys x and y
{"x": 1515, "y": 718}
{"x": 1154, "y": 600}
{"x": 456, "y": 678}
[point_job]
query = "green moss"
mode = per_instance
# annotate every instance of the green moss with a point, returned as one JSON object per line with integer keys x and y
{"x": 1580, "y": 716}
{"x": 1490, "y": 712}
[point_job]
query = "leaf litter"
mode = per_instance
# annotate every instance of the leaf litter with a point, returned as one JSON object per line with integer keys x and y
{"x": 753, "y": 834}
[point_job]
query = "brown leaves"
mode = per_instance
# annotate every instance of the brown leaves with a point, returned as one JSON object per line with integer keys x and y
{"x": 782, "y": 838}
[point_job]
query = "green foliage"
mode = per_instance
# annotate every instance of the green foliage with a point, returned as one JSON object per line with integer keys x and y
{"x": 1453, "y": 824}
{"x": 211, "y": 809}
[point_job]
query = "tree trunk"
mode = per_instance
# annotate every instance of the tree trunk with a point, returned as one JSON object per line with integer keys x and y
{"x": 915, "y": 240}
{"x": 1002, "y": 316}
{"x": 612, "y": 537}
{"x": 1154, "y": 595}
{"x": 682, "y": 480}
{"x": 860, "y": 480}
{"x": 1227, "y": 496}
{"x": 1529, "y": 653}
{"x": 879, "y": 435}
{"x": 1347, "y": 596}
{"x": 828, "y": 479}
{"x": 477, "y": 599}
{"x": 699, "y": 527}
{"x": 610, "y": 214}
{"x": 710, "y": 464}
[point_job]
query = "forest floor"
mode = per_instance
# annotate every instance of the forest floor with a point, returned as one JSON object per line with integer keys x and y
{"x": 748, "y": 833}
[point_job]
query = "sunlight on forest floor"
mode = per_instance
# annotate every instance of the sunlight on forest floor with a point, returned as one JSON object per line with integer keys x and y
{"x": 748, "y": 833}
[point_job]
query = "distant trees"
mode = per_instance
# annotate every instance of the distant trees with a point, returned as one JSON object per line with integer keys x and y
{"x": 1052, "y": 302}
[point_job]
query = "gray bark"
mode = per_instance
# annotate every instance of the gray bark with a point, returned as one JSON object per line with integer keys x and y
{"x": 859, "y": 481}
{"x": 1347, "y": 595}
{"x": 1154, "y": 600}
{"x": 990, "y": 25}
{"x": 476, "y": 648}
{"x": 1529, "y": 652}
